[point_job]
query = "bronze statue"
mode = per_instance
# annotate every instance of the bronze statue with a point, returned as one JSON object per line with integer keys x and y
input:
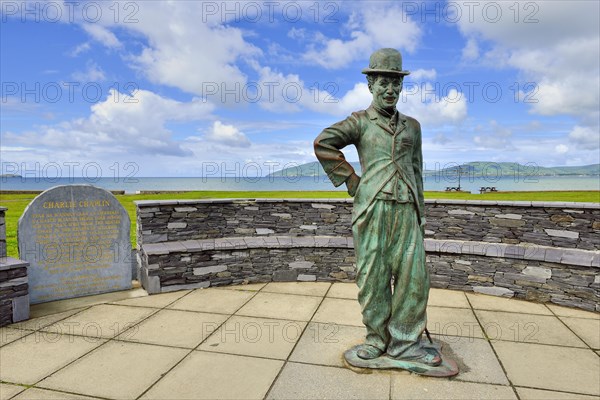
{"x": 387, "y": 223}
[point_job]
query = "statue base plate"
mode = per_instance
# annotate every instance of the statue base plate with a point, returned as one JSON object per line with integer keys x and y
{"x": 447, "y": 368}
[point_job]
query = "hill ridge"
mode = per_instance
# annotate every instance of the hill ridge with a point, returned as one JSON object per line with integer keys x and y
{"x": 472, "y": 168}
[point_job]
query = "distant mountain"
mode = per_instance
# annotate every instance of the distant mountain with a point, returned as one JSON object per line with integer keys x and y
{"x": 487, "y": 168}
{"x": 311, "y": 169}
{"x": 475, "y": 168}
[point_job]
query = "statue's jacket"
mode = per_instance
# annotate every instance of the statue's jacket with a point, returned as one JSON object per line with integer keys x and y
{"x": 389, "y": 159}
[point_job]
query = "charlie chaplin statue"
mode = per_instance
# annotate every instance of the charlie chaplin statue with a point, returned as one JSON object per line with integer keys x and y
{"x": 387, "y": 222}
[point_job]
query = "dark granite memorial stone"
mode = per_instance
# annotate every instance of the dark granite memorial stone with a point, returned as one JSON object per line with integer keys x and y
{"x": 76, "y": 240}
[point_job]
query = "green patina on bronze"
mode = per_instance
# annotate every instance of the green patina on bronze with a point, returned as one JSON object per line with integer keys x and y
{"x": 388, "y": 222}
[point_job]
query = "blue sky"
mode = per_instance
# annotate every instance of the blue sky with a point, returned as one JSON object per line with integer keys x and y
{"x": 184, "y": 88}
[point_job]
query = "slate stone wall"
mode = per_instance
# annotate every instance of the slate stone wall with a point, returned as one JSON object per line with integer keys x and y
{"x": 13, "y": 293}
{"x": 14, "y": 287}
{"x": 231, "y": 267}
{"x": 568, "y": 225}
{"x": 568, "y": 285}
{"x": 2, "y": 232}
{"x": 534, "y": 251}
{"x": 549, "y": 224}
{"x": 174, "y": 220}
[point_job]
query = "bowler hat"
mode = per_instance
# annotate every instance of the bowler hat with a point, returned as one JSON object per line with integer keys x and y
{"x": 385, "y": 61}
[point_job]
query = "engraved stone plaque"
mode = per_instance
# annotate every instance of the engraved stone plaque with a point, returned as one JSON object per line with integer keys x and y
{"x": 76, "y": 240}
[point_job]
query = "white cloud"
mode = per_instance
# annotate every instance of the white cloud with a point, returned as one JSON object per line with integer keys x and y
{"x": 227, "y": 134}
{"x": 93, "y": 73}
{"x": 555, "y": 46}
{"x": 585, "y": 137}
{"x": 506, "y": 142}
{"x": 355, "y": 99}
{"x": 391, "y": 27}
{"x": 440, "y": 138}
{"x": 471, "y": 50}
{"x": 191, "y": 49}
{"x": 288, "y": 93}
{"x": 531, "y": 24}
{"x": 120, "y": 124}
{"x": 422, "y": 74}
{"x": 102, "y": 35}
{"x": 217, "y": 160}
{"x": 186, "y": 53}
{"x": 371, "y": 27}
{"x": 79, "y": 49}
{"x": 495, "y": 137}
{"x": 336, "y": 53}
{"x": 434, "y": 110}
{"x": 297, "y": 34}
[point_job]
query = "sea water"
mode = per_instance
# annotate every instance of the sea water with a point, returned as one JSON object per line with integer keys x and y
{"x": 432, "y": 183}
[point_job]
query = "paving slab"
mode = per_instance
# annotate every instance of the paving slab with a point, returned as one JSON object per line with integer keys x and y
{"x": 536, "y": 394}
{"x": 447, "y": 321}
{"x": 325, "y": 344}
{"x": 248, "y": 358}
{"x": 204, "y": 375}
{"x": 339, "y": 311}
{"x": 530, "y": 328}
{"x": 103, "y": 320}
{"x": 40, "y": 354}
{"x": 41, "y": 322}
{"x": 572, "y": 312}
{"x": 252, "y": 336}
{"x": 9, "y": 335}
{"x": 301, "y": 288}
{"x": 252, "y": 287}
{"x": 494, "y": 303}
{"x": 281, "y": 306}
{"x": 586, "y": 329}
{"x": 447, "y": 298}
{"x": 7, "y": 391}
{"x": 343, "y": 291}
{"x": 53, "y": 307}
{"x": 476, "y": 360}
{"x": 410, "y": 387}
{"x": 542, "y": 366}
{"x": 42, "y": 394}
{"x": 174, "y": 328}
{"x": 155, "y": 301}
{"x": 213, "y": 301}
{"x": 117, "y": 370}
{"x": 302, "y": 381}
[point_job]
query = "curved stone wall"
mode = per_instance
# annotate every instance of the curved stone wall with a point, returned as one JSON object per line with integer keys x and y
{"x": 533, "y": 250}
{"x": 14, "y": 283}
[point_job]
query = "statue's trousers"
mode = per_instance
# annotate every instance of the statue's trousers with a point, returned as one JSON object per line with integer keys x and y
{"x": 389, "y": 243}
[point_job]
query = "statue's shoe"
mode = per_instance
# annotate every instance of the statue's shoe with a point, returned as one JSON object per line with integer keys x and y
{"x": 431, "y": 358}
{"x": 368, "y": 352}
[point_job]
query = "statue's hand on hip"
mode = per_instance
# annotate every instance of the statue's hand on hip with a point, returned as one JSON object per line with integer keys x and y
{"x": 352, "y": 184}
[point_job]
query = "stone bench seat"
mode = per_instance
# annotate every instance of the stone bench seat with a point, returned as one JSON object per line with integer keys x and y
{"x": 249, "y": 242}
{"x": 474, "y": 265}
{"x": 14, "y": 291}
{"x": 526, "y": 251}
{"x": 201, "y": 263}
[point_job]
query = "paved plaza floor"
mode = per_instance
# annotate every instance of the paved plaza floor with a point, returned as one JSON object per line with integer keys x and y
{"x": 285, "y": 341}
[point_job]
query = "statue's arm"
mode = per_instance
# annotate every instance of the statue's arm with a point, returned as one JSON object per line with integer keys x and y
{"x": 328, "y": 147}
{"x": 417, "y": 164}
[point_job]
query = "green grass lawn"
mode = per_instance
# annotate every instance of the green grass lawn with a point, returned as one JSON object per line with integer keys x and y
{"x": 16, "y": 203}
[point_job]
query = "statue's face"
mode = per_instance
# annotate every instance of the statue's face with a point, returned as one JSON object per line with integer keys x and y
{"x": 386, "y": 90}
